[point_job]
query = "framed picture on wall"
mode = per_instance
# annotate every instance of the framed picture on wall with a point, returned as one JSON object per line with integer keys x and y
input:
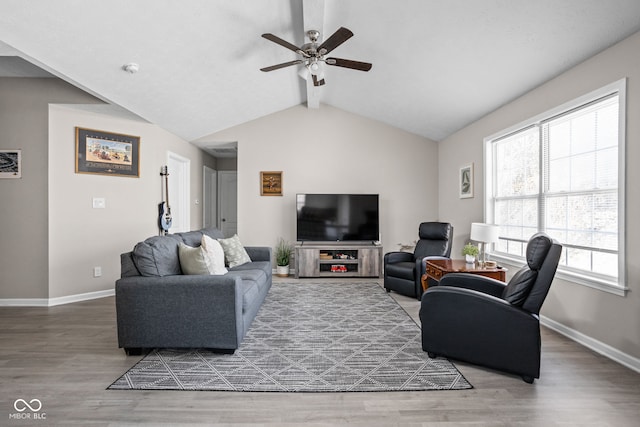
{"x": 10, "y": 163}
{"x": 466, "y": 181}
{"x": 106, "y": 153}
{"x": 271, "y": 183}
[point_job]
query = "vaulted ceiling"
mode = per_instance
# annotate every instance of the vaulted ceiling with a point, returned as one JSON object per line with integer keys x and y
{"x": 438, "y": 65}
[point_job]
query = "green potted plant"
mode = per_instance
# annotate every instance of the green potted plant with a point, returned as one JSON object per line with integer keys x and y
{"x": 283, "y": 253}
{"x": 470, "y": 252}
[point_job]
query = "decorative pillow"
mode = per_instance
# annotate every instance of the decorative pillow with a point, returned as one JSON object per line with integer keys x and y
{"x": 214, "y": 255}
{"x": 517, "y": 291}
{"x": 157, "y": 256}
{"x": 234, "y": 252}
{"x": 192, "y": 260}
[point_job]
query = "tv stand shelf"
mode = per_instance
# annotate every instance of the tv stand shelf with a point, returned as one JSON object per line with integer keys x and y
{"x": 338, "y": 260}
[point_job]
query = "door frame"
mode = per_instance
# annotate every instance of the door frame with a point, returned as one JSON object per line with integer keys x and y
{"x": 209, "y": 197}
{"x": 182, "y": 182}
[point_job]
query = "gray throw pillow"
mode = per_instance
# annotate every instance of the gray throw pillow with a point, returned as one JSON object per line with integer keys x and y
{"x": 157, "y": 256}
{"x": 234, "y": 252}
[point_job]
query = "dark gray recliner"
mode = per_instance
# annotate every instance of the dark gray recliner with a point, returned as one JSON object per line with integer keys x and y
{"x": 487, "y": 322}
{"x": 403, "y": 270}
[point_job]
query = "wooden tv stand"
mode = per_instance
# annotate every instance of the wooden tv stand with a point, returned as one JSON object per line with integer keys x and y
{"x": 338, "y": 260}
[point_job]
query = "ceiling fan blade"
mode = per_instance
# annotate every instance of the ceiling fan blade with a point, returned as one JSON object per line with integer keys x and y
{"x": 340, "y": 36}
{"x": 317, "y": 82}
{"x": 281, "y": 42}
{"x": 348, "y": 63}
{"x": 284, "y": 64}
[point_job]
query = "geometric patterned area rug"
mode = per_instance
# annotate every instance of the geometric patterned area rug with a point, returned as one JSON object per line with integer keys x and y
{"x": 309, "y": 337}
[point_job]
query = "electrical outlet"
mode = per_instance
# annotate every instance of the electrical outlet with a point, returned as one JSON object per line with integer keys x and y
{"x": 97, "y": 271}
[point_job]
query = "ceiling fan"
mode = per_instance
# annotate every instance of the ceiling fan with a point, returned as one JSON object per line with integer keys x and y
{"x": 313, "y": 56}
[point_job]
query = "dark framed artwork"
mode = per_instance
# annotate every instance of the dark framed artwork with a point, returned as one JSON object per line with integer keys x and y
{"x": 10, "y": 163}
{"x": 466, "y": 181}
{"x": 106, "y": 153}
{"x": 271, "y": 183}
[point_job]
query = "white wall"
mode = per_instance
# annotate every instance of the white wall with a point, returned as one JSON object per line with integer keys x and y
{"x": 609, "y": 319}
{"x": 328, "y": 150}
{"x": 81, "y": 237}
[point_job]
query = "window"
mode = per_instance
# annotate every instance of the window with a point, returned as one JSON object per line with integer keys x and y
{"x": 563, "y": 173}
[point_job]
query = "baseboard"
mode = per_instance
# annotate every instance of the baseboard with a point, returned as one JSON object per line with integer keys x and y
{"x": 50, "y": 302}
{"x": 24, "y": 302}
{"x": 593, "y": 344}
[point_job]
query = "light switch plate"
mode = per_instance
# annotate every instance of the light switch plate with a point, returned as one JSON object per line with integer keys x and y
{"x": 99, "y": 203}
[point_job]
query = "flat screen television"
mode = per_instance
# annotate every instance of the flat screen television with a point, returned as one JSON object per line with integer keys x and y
{"x": 337, "y": 218}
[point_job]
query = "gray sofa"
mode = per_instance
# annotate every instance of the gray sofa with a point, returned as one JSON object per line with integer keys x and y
{"x": 159, "y": 307}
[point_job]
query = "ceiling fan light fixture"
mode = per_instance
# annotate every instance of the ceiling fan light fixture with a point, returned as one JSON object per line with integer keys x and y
{"x": 313, "y": 55}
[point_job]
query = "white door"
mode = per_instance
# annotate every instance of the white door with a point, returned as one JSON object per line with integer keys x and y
{"x": 179, "y": 169}
{"x": 209, "y": 197}
{"x": 228, "y": 202}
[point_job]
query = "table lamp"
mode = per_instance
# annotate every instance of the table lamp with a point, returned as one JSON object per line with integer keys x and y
{"x": 484, "y": 233}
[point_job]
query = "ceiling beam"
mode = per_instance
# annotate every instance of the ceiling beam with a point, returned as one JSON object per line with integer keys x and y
{"x": 313, "y": 19}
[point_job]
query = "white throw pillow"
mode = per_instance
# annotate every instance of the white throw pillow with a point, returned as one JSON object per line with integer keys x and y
{"x": 234, "y": 252}
{"x": 214, "y": 255}
{"x": 192, "y": 260}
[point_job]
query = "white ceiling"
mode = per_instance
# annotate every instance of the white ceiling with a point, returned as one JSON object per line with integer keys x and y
{"x": 438, "y": 65}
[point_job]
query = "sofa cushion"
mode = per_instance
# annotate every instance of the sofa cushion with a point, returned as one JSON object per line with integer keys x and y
{"x": 254, "y": 275}
{"x": 191, "y": 238}
{"x": 234, "y": 252}
{"x": 250, "y": 292}
{"x": 214, "y": 253}
{"x": 214, "y": 233}
{"x": 519, "y": 286}
{"x": 127, "y": 266}
{"x": 192, "y": 260}
{"x": 158, "y": 256}
{"x": 265, "y": 266}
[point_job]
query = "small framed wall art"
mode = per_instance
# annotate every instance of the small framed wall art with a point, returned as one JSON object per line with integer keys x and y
{"x": 107, "y": 153}
{"x": 271, "y": 183}
{"x": 10, "y": 163}
{"x": 466, "y": 181}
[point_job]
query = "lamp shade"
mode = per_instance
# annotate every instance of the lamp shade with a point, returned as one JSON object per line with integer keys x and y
{"x": 485, "y": 233}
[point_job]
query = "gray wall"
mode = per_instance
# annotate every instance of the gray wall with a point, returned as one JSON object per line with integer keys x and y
{"x": 24, "y": 112}
{"x": 328, "y": 150}
{"x": 82, "y": 237}
{"x": 51, "y": 236}
{"x": 607, "y": 318}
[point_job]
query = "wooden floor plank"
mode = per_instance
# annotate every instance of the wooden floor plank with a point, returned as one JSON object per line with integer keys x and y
{"x": 66, "y": 356}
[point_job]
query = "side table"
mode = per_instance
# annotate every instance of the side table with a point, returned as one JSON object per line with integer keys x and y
{"x": 438, "y": 268}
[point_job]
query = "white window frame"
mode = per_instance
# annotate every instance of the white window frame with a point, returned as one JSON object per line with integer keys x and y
{"x": 618, "y": 287}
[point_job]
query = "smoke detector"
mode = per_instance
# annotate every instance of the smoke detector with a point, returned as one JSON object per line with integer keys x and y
{"x": 131, "y": 68}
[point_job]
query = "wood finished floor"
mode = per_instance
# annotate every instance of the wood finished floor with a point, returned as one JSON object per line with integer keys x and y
{"x": 66, "y": 356}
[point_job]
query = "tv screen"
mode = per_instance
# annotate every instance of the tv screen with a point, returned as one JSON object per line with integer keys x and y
{"x": 337, "y": 217}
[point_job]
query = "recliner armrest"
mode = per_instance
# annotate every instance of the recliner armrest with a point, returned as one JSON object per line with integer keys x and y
{"x": 474, "y": 282}
{"x": 393, "y": 257}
